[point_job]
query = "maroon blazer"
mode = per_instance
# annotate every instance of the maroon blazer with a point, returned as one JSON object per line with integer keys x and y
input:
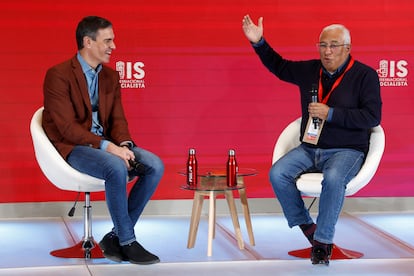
{"x": 67, "y": 115}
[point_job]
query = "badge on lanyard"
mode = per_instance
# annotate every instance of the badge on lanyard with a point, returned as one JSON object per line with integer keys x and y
{"x": 313, "y": 130}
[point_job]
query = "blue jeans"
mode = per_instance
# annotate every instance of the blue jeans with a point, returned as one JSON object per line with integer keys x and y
{"x": 338, "y": 166}
{"x": 124, "y": 209}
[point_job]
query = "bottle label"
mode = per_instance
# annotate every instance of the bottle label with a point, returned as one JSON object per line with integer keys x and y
{"x": 190, "y": 175}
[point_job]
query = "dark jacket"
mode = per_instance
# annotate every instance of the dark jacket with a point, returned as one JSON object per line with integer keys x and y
{"x": 67, "y": 115}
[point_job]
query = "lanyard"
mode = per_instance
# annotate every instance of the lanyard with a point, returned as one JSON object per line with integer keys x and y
{"x": 336, "y": 83}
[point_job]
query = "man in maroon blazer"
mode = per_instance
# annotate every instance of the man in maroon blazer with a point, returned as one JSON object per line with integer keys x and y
{"x": 84, "y": 118}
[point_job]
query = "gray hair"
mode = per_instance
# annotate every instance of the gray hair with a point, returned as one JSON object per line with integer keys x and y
{"x": 346, "y": 34}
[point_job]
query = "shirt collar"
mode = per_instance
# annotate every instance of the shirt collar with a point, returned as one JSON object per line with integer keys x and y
{"x": 338, "y": 71}
{"x": 85, "y": 66}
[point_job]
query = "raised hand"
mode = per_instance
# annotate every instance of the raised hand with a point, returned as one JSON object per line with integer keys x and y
{"x": 253, "y": 32}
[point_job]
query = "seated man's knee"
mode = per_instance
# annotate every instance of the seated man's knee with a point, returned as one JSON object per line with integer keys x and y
{"x": 334, "y": 179}
{"x": 116, "y": 167}
{"x": 276, "y": 174}
{"x": 159, "y": 166}
{"x": 155, "y": 166}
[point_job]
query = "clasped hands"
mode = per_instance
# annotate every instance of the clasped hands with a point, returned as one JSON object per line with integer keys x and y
{"x": 123, "y": 152}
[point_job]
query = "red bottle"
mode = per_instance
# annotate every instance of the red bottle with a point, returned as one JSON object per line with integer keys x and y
{"x": 232, "y": 169}
{"x": 191, "y": 168}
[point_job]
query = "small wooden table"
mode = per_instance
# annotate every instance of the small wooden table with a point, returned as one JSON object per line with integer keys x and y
{"x": 212, "y": 182}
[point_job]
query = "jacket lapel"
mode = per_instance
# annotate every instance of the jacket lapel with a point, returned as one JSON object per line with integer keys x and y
{"x": 102, "y": 95}
{"x": 82, "y": 84}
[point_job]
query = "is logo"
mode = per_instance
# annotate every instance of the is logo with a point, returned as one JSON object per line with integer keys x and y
{"x": 393, "y": 72}
{"x": 131, "y": 74}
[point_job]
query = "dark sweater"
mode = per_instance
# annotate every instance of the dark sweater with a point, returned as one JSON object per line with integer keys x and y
{"x": 356, "y": 101}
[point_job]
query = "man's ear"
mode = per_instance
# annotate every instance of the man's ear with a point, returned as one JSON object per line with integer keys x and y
{"x": 87, "y": 42}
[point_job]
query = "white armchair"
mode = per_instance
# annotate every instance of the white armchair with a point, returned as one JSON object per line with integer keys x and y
{"x": 64, "y": 177}
{"x": 309, "y": 184}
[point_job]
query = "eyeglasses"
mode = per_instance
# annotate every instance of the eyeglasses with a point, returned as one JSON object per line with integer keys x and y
{"x": 332, "y": 47}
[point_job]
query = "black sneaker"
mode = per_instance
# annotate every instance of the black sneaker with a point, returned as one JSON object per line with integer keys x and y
{"x": 321, "y": 254}
{"x": 111, "y": 248}
{"x": 137, "y": 254}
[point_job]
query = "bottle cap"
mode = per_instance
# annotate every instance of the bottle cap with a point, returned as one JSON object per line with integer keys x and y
{"x": 232, "y": 152}
{"x": 192, "y": 151}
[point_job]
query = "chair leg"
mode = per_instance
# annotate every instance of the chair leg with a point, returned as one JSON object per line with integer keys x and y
{"x": 87, "y": 248}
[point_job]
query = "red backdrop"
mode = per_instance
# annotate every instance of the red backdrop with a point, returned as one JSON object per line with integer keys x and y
{"x": 192, "y": 80}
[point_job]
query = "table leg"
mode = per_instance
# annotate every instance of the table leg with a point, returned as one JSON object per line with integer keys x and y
{"x": 195, "y": 218}
{"x": 214, "y": 214}
{"x": 243, "y": 200}
{"x": 211, "y": 222}
{"x": 234, "y": 217}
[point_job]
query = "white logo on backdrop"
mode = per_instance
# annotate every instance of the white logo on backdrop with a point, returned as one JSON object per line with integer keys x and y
{"x": 393, "y": 72}
{"x": 131, "y": 74}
